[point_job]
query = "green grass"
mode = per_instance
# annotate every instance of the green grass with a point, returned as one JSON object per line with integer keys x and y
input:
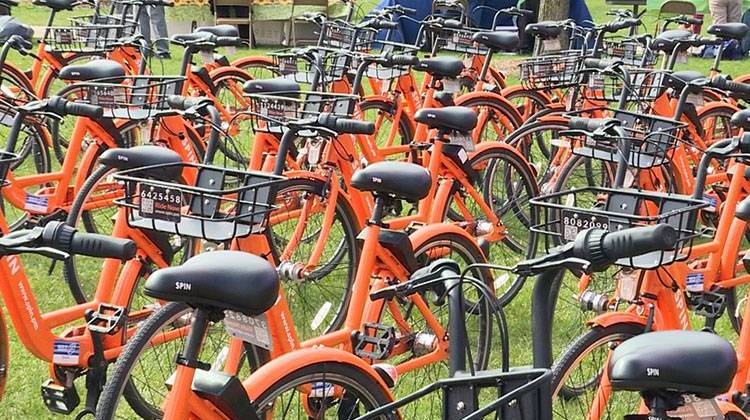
{"x": 22, "y": 399}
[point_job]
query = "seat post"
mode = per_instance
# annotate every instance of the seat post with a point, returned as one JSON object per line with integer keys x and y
{"x": 198, "y": 327}
{"x": 377, "y": 211}
{"x": 659, "y": 403}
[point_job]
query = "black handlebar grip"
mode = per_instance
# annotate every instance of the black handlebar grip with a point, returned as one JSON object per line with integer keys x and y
{"x": 182, "y": 103}
{"x": 596, "y": 63}
{"x": 345, "y": 125}
{"x": 588, "y": 124}
{"x": 602, "y": 248}
{"x": 384, "y": 24}
{"x": 64, "y": 107}
{"x": 453, "y": 24}
{"x": 723, "y": 83}
{"x": 66, "y": 238}
{"x": 622, "y": 24}
{"x": 693, "y": 20}
{"x": 403, "y": 60}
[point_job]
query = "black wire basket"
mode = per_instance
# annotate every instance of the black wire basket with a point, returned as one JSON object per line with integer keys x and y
{"x": 342, "y": 35}
{"x": 269, "y": 112}
{"x": 652, "y": 139}
{"x": 82, "y": 36}
{"x": 566, "y": 213}
{"x": 459, "y": 40}
{"x": 554, "y": 71}
{"x": 303, "y": 68}
{"x": 128, "y": 97}
{"x": 630, "y": 52}
{"x": 380, "y": 72}
{"x": 219, "y": 205}
{"x": 645, "y": 85}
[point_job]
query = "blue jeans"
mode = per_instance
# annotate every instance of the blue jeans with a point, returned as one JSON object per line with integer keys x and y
{"x": 153, "y": 16}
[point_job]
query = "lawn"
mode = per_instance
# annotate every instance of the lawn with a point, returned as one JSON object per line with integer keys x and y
{"x": 22, "y": 399}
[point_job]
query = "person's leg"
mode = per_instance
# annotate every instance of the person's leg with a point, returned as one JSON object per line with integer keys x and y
{"x": 734, "y": 11}
{"x": 159, "y": 21}
{"x": 144, "y": 22}
{"x": 718, "y": 10}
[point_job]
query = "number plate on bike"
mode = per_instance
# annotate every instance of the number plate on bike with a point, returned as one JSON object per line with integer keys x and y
{"x": 250, "y": 329}
{"x": 160, "y": 203}
{"x": 574, "y": 222}
{"x": 463, "y": 140}
{"x": 697, "y": 409}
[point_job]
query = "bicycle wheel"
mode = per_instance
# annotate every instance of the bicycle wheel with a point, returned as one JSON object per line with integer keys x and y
{"x": 382, "y": 114}
{"x": 496, "y": 119}
{"x": 506, "y": 184}
{"x": 228, "y": 92}
{"x": 339, "y": 391}
{"x": 258, "y": 67}
{"x": 318, "y": 294}
{"x": 142, "y": 371}
{"x": 580, "y": 369}
{"x": 716, "y": 123}
{"x": 83, "y": 273}
{"x": 478, "y": 323}
{"x": 527, "y": 102}
{"x": 538, "y": 142}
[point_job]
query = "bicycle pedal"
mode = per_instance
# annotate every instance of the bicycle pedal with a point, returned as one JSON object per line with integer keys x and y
{"x": 376, "y": 341}
{"x": 60, "y": 399}
{"x": 107, "y": 319}
{"x": 708, "y": 304}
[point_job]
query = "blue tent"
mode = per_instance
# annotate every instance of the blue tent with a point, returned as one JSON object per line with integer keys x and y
{"x": 483, "y": 17}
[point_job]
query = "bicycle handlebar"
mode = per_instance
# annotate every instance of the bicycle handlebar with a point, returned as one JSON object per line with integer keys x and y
{"x": 345, "y": 125}
{"x": 62, "y": 107}
{"x": 591, "y": 124}
{"x": 620, "y": 24}
{"x": 66, "y": 238}
{"x": 593, "y": 249}
{"x": 724, "y": 83}
{"x": 602, "y": 248}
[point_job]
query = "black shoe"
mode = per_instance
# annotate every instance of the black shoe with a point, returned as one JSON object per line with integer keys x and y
{"x": 164, "y": 55}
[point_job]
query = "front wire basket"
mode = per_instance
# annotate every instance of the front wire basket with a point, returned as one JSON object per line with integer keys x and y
{"x": 645, "y": 86}
{"x": 556, "y": 71}
{"x": 302, "y": 68}
{"x": 128, "y": 97}
{"x": 652, "y": 139}
{"x": 268, "y": 112}
{"x": 630, "y": 52}
{"x": 566, "y": 213}
{"x": 86, "y": 37}
{"x": 344, "y": 36}
{"x": 380, "y": 72}
{"x": 459, "y": 40}
{"x": 220, "y": 205}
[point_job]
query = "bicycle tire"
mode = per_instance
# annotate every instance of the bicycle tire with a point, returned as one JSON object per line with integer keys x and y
{"x": 330, "y": 312}
{"x": 509, "y": 118}
{"x": 510, "y": 206}
{"x": 584, "y": 345}
{"x": 479, "y": 321}
{"x": 388, "y": 110}
{"x": 254, "y": 65}
{"x": 342, "y": 375}
{"x": 232, "y": 152}
{"x": 537, "y": 150}
{"x": 527, "y": 102}
{"x": 120, "y": 376}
